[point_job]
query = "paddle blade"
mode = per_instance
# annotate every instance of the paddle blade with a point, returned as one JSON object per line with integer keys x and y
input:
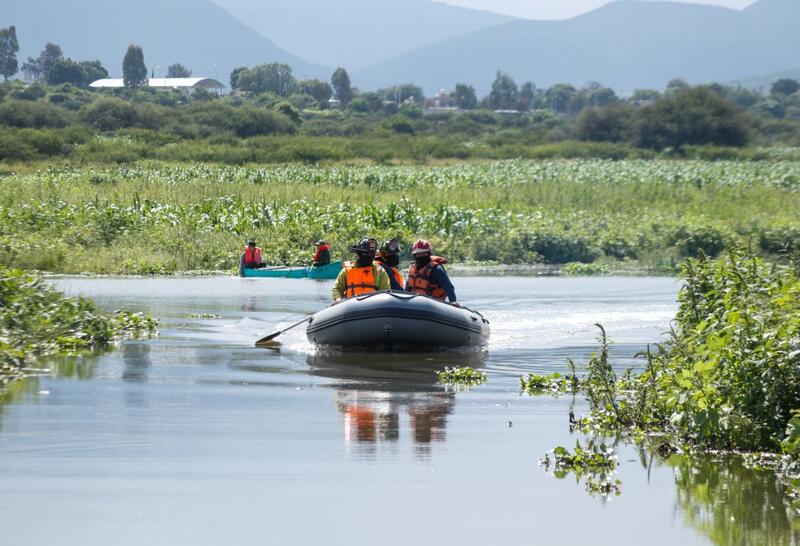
{"x": 268, "y": 344}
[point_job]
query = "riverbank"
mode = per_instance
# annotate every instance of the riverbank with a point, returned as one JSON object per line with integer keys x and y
{"x": 159, "y": 218}
{"x": 725, "y": 381}
{"x": 37, "y": 321}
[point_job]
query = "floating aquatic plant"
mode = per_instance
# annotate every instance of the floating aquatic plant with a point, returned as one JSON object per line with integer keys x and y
{"x": 461, "y": 375}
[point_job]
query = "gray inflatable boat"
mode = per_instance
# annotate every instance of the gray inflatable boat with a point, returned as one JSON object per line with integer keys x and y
{"x": 397, "y": 321}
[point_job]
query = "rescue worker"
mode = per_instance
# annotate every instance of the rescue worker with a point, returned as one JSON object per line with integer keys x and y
{"x": 251, "y": 258}
{"x": 363, "y": 276}
{"x": 427, "y": 275}
{"x": 388, "y": 258}
{"x": 323, "y": 255}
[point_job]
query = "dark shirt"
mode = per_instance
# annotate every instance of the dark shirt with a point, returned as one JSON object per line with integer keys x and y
{"x": 392, "y": 279}
{"x": 439, "y": 276}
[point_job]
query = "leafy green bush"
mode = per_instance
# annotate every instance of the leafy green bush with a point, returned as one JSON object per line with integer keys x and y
{"x": 109, "y": 114}
{"x": 36, "y": 320}
{"x": 729, "y": 377}
{"x": 18, "y": 113}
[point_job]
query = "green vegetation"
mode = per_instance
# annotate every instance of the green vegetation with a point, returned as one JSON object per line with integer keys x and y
{"x": 147, "y": 219}
{"x": 596, "y": 462}
{"x": 37, "y": 321}
{"x": 554, "y": 383}
{"x": 461, "y": 376}
{"x": 728, "y": 378}
{"x": 59, "y": 116}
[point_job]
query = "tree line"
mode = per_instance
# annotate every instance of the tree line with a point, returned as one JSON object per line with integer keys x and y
{"x": 268, "y": 99}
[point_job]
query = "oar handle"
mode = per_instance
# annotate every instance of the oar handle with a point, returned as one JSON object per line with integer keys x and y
{"x": 279, "y": 332}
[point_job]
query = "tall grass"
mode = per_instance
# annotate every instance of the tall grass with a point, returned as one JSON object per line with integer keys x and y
{"x": 156, "y": 218}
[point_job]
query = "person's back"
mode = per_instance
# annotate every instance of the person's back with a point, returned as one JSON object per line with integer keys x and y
{"x": 323, "y": 255}
{"x": 361, "y": 277}
{"x": 427, "y": 276}
{"x": 389, "y": 258}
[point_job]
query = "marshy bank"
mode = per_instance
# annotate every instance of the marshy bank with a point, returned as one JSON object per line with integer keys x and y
{"x": 38, "y": 321}
{"x": 602, "y": 216}
{"x": 725, "y": 381}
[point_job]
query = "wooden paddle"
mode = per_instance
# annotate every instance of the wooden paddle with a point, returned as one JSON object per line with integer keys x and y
{"x": 266, "y": 341}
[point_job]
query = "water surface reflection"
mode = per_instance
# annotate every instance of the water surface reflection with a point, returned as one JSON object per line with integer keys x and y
{"x": 382, "y": 397}
{"x": 733, "y": 505}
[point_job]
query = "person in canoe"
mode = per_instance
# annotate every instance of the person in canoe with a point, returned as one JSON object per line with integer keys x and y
{"x": 323, "y": 255}
{"x": 388, "y": 258}
{"x": 427, "y": 275}
{"x": 251, "y": 257}
{"x": 363, "y": 276}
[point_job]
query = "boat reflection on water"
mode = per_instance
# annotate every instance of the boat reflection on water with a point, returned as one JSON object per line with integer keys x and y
{"x": 386, "y": 398}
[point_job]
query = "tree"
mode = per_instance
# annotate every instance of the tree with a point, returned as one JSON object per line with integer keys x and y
{"x": 464, "y": 96}
{"x": 9, "y": 47}
{"x": 321, "y": 91}
{"x": 645, "y": 95}
{"x": 235, "y": 73}
{"x": 609, "y": 123}
{"x": 693, "y": 116}
{"x": 37, "y": 69}
{"x": 527, "y": 94}
{"x": 80, "y": 74}
{"x": 560, "y": 96}
{"x": 503, "y": 95}
{"x": 784, "y": 87}
{"x": 134, "y": 71}
{"x": 93, "y": 70}
{"x": 677, "y": 84}
{"x": 600, "y": 96}
{"x": 177, "y": 70}
{"x": 67, "y": 71}
{"x": 342, "y": 89}
{"x": 273, "y": 78}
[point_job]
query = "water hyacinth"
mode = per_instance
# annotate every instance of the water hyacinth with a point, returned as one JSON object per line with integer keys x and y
{"x": 461, "y": 376}
{"x": 169, "y": 218}
{"x": 36, "y": 321}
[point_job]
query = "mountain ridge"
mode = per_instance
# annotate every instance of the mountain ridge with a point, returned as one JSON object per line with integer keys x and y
{"x": 357, "y": 33}
{"x": 626, "y": 44}
{"x": 197, "y": 33}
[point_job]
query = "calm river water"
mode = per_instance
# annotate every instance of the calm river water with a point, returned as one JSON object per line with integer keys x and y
{"x": 198, "y": 438}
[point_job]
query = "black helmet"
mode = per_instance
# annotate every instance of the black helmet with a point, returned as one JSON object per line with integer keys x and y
{"x": 321, "y": 242}
{"x": 390, "y": 247}
{"x": 251, "y": 242}
{"x": 366, "y": 245}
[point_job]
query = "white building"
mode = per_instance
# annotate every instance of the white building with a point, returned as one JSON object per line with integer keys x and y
{"x": 184, "y": 84}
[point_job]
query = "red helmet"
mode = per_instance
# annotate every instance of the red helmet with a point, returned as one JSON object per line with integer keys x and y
{"x": 421, "y": 246}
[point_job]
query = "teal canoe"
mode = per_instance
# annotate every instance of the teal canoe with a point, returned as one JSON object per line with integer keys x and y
{"x": 329, "y": 271}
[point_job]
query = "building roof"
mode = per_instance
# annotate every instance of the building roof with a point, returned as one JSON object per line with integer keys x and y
{"x": 170, "y": 83}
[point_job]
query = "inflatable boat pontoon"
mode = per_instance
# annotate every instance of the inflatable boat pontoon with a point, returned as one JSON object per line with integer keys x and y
{"x": 397, "y": 321}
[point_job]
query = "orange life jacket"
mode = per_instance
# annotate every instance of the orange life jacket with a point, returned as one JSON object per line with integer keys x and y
{"x": 360, "y": 280}
{"x": 393, "y": 271}
{"x": 252, "y": 255}
{"x": 420, "y": 282}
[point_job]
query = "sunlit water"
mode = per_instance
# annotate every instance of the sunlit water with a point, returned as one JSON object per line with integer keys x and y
{"x": 198, "y": 438}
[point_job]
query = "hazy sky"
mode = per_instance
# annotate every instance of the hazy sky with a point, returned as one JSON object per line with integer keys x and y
{"x": 559, "y": 9}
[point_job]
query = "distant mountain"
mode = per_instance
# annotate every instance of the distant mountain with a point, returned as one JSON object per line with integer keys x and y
{"x": 764, "y": 83}
{"x": 197, "y": 33}
{"x": 357, "y": 33}
{"x": 625, "y": 44}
